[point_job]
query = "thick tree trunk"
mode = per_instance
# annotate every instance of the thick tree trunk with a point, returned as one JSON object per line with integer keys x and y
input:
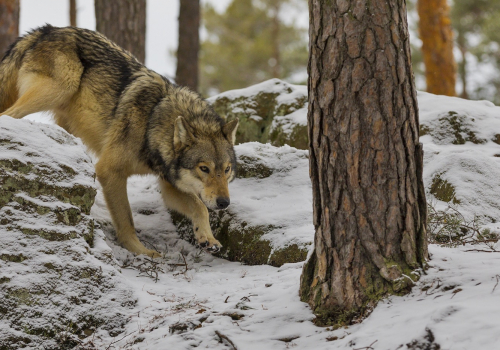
{"x": 365, "y": 160}
{"x": 9, "y": 24}
{"x": 189, "y": 44}
{"x": 437, "y": 46}
{"x": 124, "y": 22}
{"x": 72, "y": 13}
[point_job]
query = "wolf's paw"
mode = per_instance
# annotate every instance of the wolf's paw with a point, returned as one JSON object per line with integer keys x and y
{"x": 135, "y": 246}
{"x": 211, "y": 246}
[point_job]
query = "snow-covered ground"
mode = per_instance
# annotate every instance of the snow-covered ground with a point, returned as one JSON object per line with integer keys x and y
{"x": 192, "y": 299}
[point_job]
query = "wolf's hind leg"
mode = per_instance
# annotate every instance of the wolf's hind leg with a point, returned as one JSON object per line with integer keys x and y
{"x": 50, "y": 90}
{"x": 38, "y": 93}
{"x": 113, "y": 179}
{"x": 195, "y": 210}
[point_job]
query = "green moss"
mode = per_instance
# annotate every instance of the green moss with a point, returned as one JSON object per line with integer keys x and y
{"x": 50, "y": 235}
{"x": 250, "y": 167}
{"x": 288, "y": 254}
{"x": 424, "y": 130}
{"x": 443, "y": 190}
{"x": 241, "y": 242}
{"x": 296, "y": 138}
{"x": 496, "y": 139}
{"x": 13, "y": 257}
{"x": 78, "y": 195}
{"x": 461, "y": 132}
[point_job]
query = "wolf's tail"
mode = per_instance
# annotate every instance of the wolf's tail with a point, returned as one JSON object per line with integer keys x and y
{"x": 9, "y": 69}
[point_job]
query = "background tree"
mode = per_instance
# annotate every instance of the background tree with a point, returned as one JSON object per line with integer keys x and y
{"x": 248, "y": 43}
{"x": 189, "y": 44}
{"x": 124, "y": 22}
{"x": 72, "y": 13}
{"x": 477, "y": 30}
{"x": 9, "y": 23}
{"x": 437, "y": 46}
{"x": 369, "y": 207}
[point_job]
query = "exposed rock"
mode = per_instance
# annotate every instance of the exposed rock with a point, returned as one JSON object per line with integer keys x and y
{"x": 273, "y": 111}
{"x": 57, "y": 283}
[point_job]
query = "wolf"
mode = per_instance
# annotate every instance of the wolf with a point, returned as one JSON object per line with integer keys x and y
{"x": 132, "y": 118}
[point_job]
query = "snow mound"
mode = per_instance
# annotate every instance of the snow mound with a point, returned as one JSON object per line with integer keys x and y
{"x": 461, "y": 154}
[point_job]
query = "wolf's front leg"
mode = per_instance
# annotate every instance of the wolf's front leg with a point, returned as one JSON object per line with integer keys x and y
{"x": 114, "y": 186}
{"x": 195, "y": 210}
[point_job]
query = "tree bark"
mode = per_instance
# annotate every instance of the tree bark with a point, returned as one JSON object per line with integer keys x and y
{"x": 189, "y": 44}
{"x": 369, "y": 207}
{"x": 437, "y": 46}
{"x": 9, "y": 23}
{"x": 72, "y": 13}
{"x": 124, "y": 22}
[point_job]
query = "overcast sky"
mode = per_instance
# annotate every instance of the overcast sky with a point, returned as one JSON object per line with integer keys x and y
{"x": 161, "y": 29}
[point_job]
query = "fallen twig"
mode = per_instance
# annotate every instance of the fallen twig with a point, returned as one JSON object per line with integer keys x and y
{"x": 223, "y": 337}
{"x": 116, "y": 341}
{"x": 367, "y": 347}
{"x": 496, "y": 284}
{"x": 482, "y": 251}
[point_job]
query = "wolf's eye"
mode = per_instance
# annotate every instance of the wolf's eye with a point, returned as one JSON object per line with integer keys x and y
{"x": 205, "y": 169}
{"x": 227, "y": 169}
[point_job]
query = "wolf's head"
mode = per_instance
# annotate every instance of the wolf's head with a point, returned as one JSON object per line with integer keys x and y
{"x": 205, "y": 160}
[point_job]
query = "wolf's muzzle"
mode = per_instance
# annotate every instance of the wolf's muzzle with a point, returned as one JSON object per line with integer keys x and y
{"x": 222, "y": 203}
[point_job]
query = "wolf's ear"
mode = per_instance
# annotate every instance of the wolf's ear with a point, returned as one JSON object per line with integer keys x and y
{"x": 229, "y": 129}
{"x": 182, "y": 133}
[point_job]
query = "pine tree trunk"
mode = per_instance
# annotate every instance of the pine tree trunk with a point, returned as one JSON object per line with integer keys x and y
{"x": 365, "y": 160}
{"x": 9, "y": 23}
{"x": 437, "y": 46}
{"x": 124, "y": 22}
{"x": 189, "y": 44}
{"x": 72, "y": 13}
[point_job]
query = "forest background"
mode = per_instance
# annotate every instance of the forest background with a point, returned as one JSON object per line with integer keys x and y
{"x": 244, "y": 42}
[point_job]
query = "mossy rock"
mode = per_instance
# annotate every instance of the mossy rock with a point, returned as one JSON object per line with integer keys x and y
{"x": 257, "y": 107}
{"x": 443, "y": 190}
{"x": 240, "y": 241}
{"x": 452, "y": 128}
{"x": 54, "y": 291}
{"x": 291, "y": 134}
{"x": 249, "y": 166}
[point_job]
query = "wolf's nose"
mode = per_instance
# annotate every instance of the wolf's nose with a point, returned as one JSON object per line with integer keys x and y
{"x": 222, "y": 203}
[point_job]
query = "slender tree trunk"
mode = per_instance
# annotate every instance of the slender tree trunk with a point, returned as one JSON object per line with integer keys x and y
{"x": 189, "y": 44}
{"x": 276, "y": 40}
{"x": 124, "y": 22}
{"x": 437, "y": 46}
{"x": 72, "y": 13}
{"x": 462, "y": 66}
{"x": 365, "y": 159}
{"x": 9, "y": 24}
